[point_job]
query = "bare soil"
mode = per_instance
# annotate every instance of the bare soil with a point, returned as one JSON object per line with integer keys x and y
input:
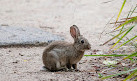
{"x": 56, "y": 16}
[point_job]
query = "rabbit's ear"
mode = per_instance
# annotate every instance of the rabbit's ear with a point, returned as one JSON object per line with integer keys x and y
{"x": 74, "y": 31}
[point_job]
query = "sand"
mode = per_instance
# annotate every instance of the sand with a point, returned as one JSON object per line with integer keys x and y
{"x": 56, "y": 16}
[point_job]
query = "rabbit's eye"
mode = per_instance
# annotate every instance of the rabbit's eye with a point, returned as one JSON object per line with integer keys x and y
{"x": 82, "y": 41}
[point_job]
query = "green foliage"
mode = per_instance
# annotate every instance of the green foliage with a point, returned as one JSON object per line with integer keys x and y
{"x": 126, "y": 30}
{"x": 127, "y": 41}
{"x": 127, "y": 22}
{"x": 114, "y": 55}
{"x": 100, "y": 75}
{"x": 123, "y": 36}
{"x": 120, "y": 10}
{"x": 134, "y": 70}
{"x": 131, "y": 75}
{"x": 123, "y": 31}
{"x": 132, "y": 55}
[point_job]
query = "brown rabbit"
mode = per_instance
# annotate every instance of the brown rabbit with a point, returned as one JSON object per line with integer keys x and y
{"x": 60, "y": 55}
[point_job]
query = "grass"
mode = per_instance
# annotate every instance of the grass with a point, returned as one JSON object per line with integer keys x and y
{"x": 133, "y": 72}
{"x": 121, "y": 10}
{"x": 123, "y": 36}
{"x": 127, "y": 42}
{"x": 131, "y": 55}
{"x": 114, "y": 55}
{"x": 124, "y": 29}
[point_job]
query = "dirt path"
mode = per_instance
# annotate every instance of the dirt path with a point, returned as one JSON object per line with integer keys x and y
{"x": 24, "y": 64}
{"x": 56, "y": 16}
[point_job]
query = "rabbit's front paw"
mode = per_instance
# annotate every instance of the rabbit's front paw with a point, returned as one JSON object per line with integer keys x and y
{"x": 77, "y": 70}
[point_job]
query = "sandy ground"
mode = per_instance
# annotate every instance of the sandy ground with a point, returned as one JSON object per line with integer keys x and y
{"x": 56, "y": 16}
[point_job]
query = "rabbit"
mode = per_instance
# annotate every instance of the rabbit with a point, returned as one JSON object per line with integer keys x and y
{"x": 63, "y": 55}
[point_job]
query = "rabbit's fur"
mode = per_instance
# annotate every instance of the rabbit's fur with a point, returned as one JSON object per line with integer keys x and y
{"x": 59, "y": 55}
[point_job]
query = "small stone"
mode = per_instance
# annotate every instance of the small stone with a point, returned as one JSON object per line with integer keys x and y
{"x": 26, "y": 36}
{"x": 97, "y": 69}
{"x": 21, "y": 54}
{"x": 4, "y": 25}
{"x": 15, "y": 62}
{"x": 80, "y": 63}
{"x": 9, "y": 50}
{"x": 123, "y": 64}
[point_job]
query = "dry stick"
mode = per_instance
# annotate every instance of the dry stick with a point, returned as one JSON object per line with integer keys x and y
{"x": 124, "y": 22}
{"x": 114, "y": 29}
{"x": 125, "y": 19}
{"x": 105, "y": 27}
{"x": 107, "y": 1}
{"x": 107, "y": 41}
{"x": 112, "y": 38}
{"x": 117, "y": 22}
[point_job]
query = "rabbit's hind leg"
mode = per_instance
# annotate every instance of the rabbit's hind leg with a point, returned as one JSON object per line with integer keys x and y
{"x": 59, "y": 67}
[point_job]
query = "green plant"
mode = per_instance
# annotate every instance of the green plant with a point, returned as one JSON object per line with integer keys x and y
{"x": 131, "y": 75}
{"x": 100, "y": 75}
{"x": 124, "y": 30}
